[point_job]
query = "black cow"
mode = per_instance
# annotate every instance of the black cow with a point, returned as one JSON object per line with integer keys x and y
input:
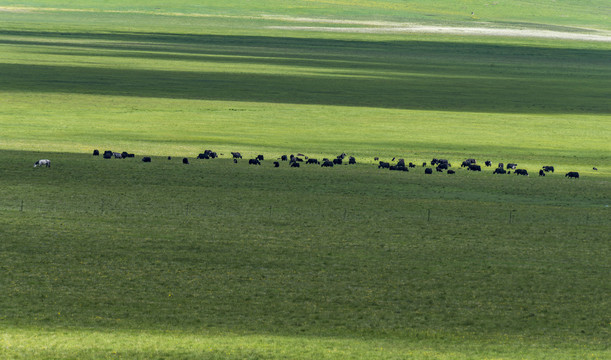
{"x": 499, "y": 170}
{"x": 235, "y": 161}
{"x": 312, "y": 161}
{"x": 124, "y": 155}
{"x": 541, "y": 172}
{"x": 254, "y": 162}
{"x": 146, "y": 159}
{"x": 376, "y": 158}
{"x": 423, "y": 164}
{"x": 169, "y": 158}
{"x": 384, "y": 165}
{"x": 572, "y": 174}
{"x": 352, "y": 160}
{"x": 428, "y": 171}
{"x": 521, "y": 172}
{"x": 594, "y": 168}
{"x": 474, "y": 167}
{"x": 398, "y": 168}
{"x": 260, "y": 157}
{"x": 284, "y": 158}
{"x": 203, "y": 156}
{"x": 401, "y": 163}
{"x": 501, "y": 165}
{"x": 548, "y": 168}
{"x": 337, "y": 161}
{"x": 443, "y": 166}
{"x": 131, "y": 155}
{"x": 295, "y": 164}
{"x": 107, "y": 154}
{"x": 488, "y": 163}
{"x": 512, "y": 166}
{"x": 439, "y": 168}
{"x": 185, "y": 161}
{"x": 327, "y": 163}
{"x": 451, "y": 172}
{"x": 236, "y": 155}
{"x": 412, "y": 165}
{"x": 96, "y": 152}
{"x": 276, "y": 164}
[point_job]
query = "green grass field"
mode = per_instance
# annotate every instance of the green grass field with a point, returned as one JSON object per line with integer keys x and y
{"x": 123, "y": 259}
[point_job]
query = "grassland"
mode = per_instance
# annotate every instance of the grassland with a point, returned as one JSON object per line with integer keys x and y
{"x": 122, "y": 259}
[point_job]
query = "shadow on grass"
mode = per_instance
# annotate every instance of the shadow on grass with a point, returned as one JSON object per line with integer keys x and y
{"x": 393, "y": 74}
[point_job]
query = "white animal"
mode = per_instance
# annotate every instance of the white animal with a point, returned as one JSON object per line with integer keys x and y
{"x": 42, "y": 162}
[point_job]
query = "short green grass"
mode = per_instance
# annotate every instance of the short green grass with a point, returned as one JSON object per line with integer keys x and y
{"x": 122, "y": 259}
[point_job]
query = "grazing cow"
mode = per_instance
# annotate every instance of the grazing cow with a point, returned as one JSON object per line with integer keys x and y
{"x": 276, "y": 164}
{"x": 501, "y": 165}
{"x": 107, "y": 154}
{"x": 312, "y": 161}
{"x": 541, "y": 172}
{"x": 235, "y": 161}
{"x": 548, "y": 168}
{"x": 468, "y": 162}
{"x": 203, "y": 156}
{"x": 451, "y": 172}
{"x": 131, "y": 155}
{"x": 521, "y": 172}
{"x": 236, "y": 155}
{"x": 474, "y": 167}
{"x": 341, "y": 156}
{"x": 124, "y": 155}
{"x": 298, "y": 159}
{"x": 443, "y": 166}
{"x": 594, "y": 168}
{"x": 295, "y": 164}
{"x": 260, "y": 157}
{"x": 428, "y": 171}
{"x": 284, "y": 158}
{"x": 41, "y": 162}
{"x": 398, "y": 168}
{"x": 327, "y": 163}
{"x": 376, "y": 158}
{"x": 439, "y": 168}
{"x": 423, "y": 164}
{"x": 254, "y": 162}
{"x": 96, "y": 152}
{"x": 412, "y": 165}
{"x": 117, "y": 155}
{"x": 499, "y": 170}
{"x": 185, "y": 161}
{"x": 488, "y": 163}
{"x": 572, "y": 174}
{"x": 146, "y": 159}
{"x": 384, "y": 165}
{"x": 434, "y": 161}
{"x": 352, "y": 160}
{"x": 401, "y": 163}
{"x": 337, "y": 161}
{"x": 512, "y": 166}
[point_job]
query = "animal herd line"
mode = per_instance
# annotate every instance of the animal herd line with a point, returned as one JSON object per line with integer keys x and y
{"x": 396, "y": 164}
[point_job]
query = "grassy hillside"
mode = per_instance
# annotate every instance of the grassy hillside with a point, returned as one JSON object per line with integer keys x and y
{"x": 122, "y": 259}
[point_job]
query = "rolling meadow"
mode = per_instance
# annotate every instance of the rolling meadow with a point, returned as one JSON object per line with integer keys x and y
{"x": 106, "y": 259}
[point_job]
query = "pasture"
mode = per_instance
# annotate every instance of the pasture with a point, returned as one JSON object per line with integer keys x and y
{"x": 124, "y": 259}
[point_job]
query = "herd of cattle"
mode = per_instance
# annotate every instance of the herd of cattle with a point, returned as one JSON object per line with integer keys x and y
{"x": 439, "y": 165}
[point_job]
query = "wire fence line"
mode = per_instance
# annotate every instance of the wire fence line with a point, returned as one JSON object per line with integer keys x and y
{"x": 434, "y": 214}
